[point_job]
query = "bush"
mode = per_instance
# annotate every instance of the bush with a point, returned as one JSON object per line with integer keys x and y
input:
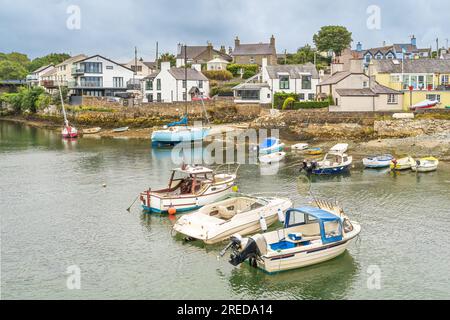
{"x": 43, "y": 101}
{"x": 309, "y": 105}
{"x": 280, "y": 97}
{"x": 248, "y": 74}
{"x": 236, "y": 68}
{"x": 222, "y": 75}
{"x": 288, "y": 102}
{"x": 224, "y": 91}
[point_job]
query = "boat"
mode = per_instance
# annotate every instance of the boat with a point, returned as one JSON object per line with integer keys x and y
{"x": 123, "y": 129}
{"x": 311, "y": 235}
{"x": 341, "y": 147}
{"x": 271, "y": 145}
{"x": 426, "y": 104}
{"x": 425, "y": 165}
{"x": 177, "y": 134}
{"x": 243, "y": 214}
{"x": 92, "y": 130}
{"x": 332, "y": 163}
{"x": 272, "y": 158}
{"x": 300, "y": 146}
{"x": 189, "y": 188}
{"x": 68, "y": 131}
{"x": 314, "y": 151}
{"x": 402, "y": 164}
{"x": 375, "y": 162}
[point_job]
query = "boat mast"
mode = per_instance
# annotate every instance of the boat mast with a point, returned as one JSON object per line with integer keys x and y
{"x": 185, "y": 81}
{"x": 66, "y": 122}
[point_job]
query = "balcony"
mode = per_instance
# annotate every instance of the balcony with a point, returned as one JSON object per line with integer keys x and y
{"x": 77, "y": 71}
{"x": 85, "y": 84}
{"x": 51, "y": 84}
{"x": 134, "y": 84}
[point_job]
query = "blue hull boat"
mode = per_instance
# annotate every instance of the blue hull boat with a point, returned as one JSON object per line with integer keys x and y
{"x": 271, "y": 145}
{"x": 378, "y": 162}
{"x": 333, "y": 163}
{"x": 176, "y": 135}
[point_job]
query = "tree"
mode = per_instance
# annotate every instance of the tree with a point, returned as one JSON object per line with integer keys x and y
{"x": 167, "y": 57}
{"x": 10, "y": 70}
{"x": 333, "y": 38}
{"x": 52, "y": 58}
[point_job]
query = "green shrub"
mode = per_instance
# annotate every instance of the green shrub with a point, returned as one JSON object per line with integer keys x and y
{"x": 43, "y": 101}
{"x": 308, "y": 105}
{"x": 248, "y": 74}
{"x": 236, "y": 68}
{"x": 222, "y": 75}
{"x": 280, "y": 97}
{"x": 220, "y": 90}
{"x": 288, "y": 102}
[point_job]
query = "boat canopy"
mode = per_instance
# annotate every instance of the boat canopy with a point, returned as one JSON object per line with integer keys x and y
{"x": 330, "y": 224}
{"x": 269, "y": 142}
{"x": 194, "y": 170}
{"x": 182, "y": 122}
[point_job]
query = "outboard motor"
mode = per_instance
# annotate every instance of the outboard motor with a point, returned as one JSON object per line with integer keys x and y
{"x": 251, "y": 252}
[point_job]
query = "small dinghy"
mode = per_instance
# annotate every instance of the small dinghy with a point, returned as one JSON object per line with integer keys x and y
{"x": 314, "y": 151}
{"x": 123, "y": 129}
{"x": 271, "y": 145}
{"x": 426, "y": 104}
{"x": 428, "y": 164}
{"x": 310, "y": 236}
{"x": 272, "y": 158}
{"x": 341, "y": 147}
{"x": 234, "y": 214}
{"x": 333, "y": 163}
{"x": 190, "y": 188}
{"x": 300, "y": 147}
{"x": 376, "y": 162}
{"x": 402, "y": 164}
{"x": 92, "y": 130}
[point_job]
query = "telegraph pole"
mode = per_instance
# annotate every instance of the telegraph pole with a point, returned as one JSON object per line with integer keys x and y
{"x": 185, "y": 79}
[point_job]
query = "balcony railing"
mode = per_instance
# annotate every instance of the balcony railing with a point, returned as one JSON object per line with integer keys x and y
{"x": 85, "y": 84}
{"x": 53, "y": 84}
{"x": 134, "y": 84}
{"x": 77, "y": 71}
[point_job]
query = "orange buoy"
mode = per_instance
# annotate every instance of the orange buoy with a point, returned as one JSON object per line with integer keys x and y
{"x": 172, "y": 211}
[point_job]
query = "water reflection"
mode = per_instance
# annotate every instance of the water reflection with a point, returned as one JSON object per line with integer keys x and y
{"x": 328, "y": 280}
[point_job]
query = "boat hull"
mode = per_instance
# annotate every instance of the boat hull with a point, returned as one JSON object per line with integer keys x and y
{"x": 376, "y": 163}
{"x": 331, "y": 170}
{"x": 274, "y": 149}
{"x": 169, "y": 137}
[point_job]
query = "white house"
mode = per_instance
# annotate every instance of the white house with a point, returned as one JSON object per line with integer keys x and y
{"x": 217, "y": 64}
{"x": 35, "y": 77}
{"x": 168, "y": 85}
{"x": 99, "y": 76}
{"x": 298, "y": 79}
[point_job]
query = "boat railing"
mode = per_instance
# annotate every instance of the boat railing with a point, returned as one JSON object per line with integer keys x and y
{"x": 227, "y": 168}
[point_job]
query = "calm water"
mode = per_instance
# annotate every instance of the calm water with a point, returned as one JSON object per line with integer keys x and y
{"x": 55, "y": 213}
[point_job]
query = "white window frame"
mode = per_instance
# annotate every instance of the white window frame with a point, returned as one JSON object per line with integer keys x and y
{"x": 392, "y": 99}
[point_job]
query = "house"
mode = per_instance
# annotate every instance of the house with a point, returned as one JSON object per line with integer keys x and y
{"x": 35, "y": 77}
{"x": 200, "y": 54}
{"x": 99, "y": 76}
{"x": 299, "y": 79}
{"x": 217, "y": 64}
{"x": 62, "y": 74}
{"x": 141, "y": 67}
{"x": 254, "y": 53}
{"x": 170, "y": 85}
{"x": 352, "y": 90}
{"x": 418, "y": 79}
{"x": 396, "y": 51}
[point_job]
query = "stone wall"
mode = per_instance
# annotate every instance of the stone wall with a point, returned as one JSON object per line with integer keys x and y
{"x": 410, "y": 128}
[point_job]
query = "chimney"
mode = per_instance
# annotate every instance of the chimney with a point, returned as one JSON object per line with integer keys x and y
{"x": 359, "y": 47}
{"x": 384, "y": 43}
{"x": 223, "y": 50}
{"x": 336, "y": 67}
{"x": 413, "y": 41}
{"x": 230, "y": 50}
{"x": 197, "y": 66}
{"x": 165, "y": 65}
{"x": 356, "y": 66}
{"x": 210, "y": 50}
{"x": 272, "y": 41}
{"x": 237, "y": 42}
{"x": 179, "y": 48}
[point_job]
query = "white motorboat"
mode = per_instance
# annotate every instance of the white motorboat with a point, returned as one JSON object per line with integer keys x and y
{"x": 340, "y": 148}
{"x": 189, "y": 188}
{"x": 272, "y": 158}
{"x": 402, "y": 164}
{"x": 425, "y": 165}
{"x": 382, "y": 161}
{"x": 426, "y": 104}
{"x": 271, "y": 145}
{"x": 300, "y": 147}
{"x": 236, "y": 213}
{"x": 310, "y": 236}
{"x": 333, "y": 163}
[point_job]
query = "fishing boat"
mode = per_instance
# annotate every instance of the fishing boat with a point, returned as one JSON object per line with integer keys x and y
{"x": 375, "y": 162}
{"x": 314, "y": 151}
{"x": 123, "y": 129}
{"x": 68, "y": 131}
{"x": 272, "y": 158}
{"x": 341, "y": 147}
{"x": 425, "y": 165}
{"x": 310, "y": 236}
{"x": 189, "y": 188}
{"x": 92, "y": 130}
{"x": 402, "y": 164}
{"x": 243, "y": 214}
{"x": 271, "y": 145}
{"x": 300, "y": 147}
{"x": 333, "y": 163}
{"x": 426, "y": 104}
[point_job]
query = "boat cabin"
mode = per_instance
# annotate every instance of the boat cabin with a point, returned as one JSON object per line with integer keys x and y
{"x": 190, "y": 180}
{"x": 334, "y": 159}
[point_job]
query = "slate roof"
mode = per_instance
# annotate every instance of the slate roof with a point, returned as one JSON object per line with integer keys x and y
{"x": 72, "y": 59}
{"x": 374, "y": 90}
{"x": 49, "y": 73}
{"x": 295, "y": 70}
{"x": 193, "y": 52}
{"x": 151, "y": 65}
{"x": 336, "y": 78}
{"x": 413, "y": 66}
{"x": 42, "y": 68}
{"x": 253, "y": 49}
{"x": 192, "y": 74}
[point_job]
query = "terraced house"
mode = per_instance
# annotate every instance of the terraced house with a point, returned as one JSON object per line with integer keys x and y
{"x": 254, "y": 53}
{"x": 419, "y": 80}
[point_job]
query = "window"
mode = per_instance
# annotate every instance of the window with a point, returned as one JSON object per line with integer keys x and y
{"x": 379, "y": 56}
{"x": 184, "y": 84}
{"x": 158, "y": 84}
{"x": 252, "y": 59}
{"x": 92, "y": 67}
{"x": 430, "y": 82}
{"x": 296, "y": 218}
{"x": 91, "y": 82}
{"x": 150, "y": 97}
{"x": 434, "y": 97}
{"x": 136, "y": 68}
{"x": 306, "y": 82}
{"x": 414, "y": 82}
{"x": 301, "y": 96}
{"x": 395, "y": 78}
{"x": 117, "y": 82}
{"x": 405, "y": 82}
{"x": 421, "y": 82}
{"x": 284, "y": 82}
{"x": 365, "y": 84}
{"x": 109, "y": 67}
{"x": 200, "y": 84}
{"x": 248, "y": 94}
{"x": 311, "y": 96}
{"x": 392, "y": 99}
{"x": 368, "y": 58}
{"x": 158, "y": 97}
{"x": 149, "y": 85}
{"x": 390, "y": 56}
{"x": 184, "y": 96}
{"x": 444, "y": 79}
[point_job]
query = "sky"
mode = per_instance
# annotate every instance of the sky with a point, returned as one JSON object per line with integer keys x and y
{"x": 114, "y": 28}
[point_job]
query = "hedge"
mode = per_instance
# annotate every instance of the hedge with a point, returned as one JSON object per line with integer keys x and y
{"x": 280, "y": 97}
{"x": 222, "y": 75}
{"x": 236, "y": 68}
{"x": 225, "y": 91}
{"x": 308, "y": 105}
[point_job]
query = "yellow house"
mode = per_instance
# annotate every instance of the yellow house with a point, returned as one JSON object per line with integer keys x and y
{"x": 429, "y": 79}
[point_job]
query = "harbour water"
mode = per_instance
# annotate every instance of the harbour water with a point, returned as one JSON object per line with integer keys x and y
{"x": 55, "y": 213}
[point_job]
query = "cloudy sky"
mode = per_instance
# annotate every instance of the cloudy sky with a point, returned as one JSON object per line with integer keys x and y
{"x": 113, "y": 28}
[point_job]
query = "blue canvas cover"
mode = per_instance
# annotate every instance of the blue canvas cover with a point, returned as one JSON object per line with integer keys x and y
{"x": 182, "y": 122}
{"x": 269, "y": 142}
